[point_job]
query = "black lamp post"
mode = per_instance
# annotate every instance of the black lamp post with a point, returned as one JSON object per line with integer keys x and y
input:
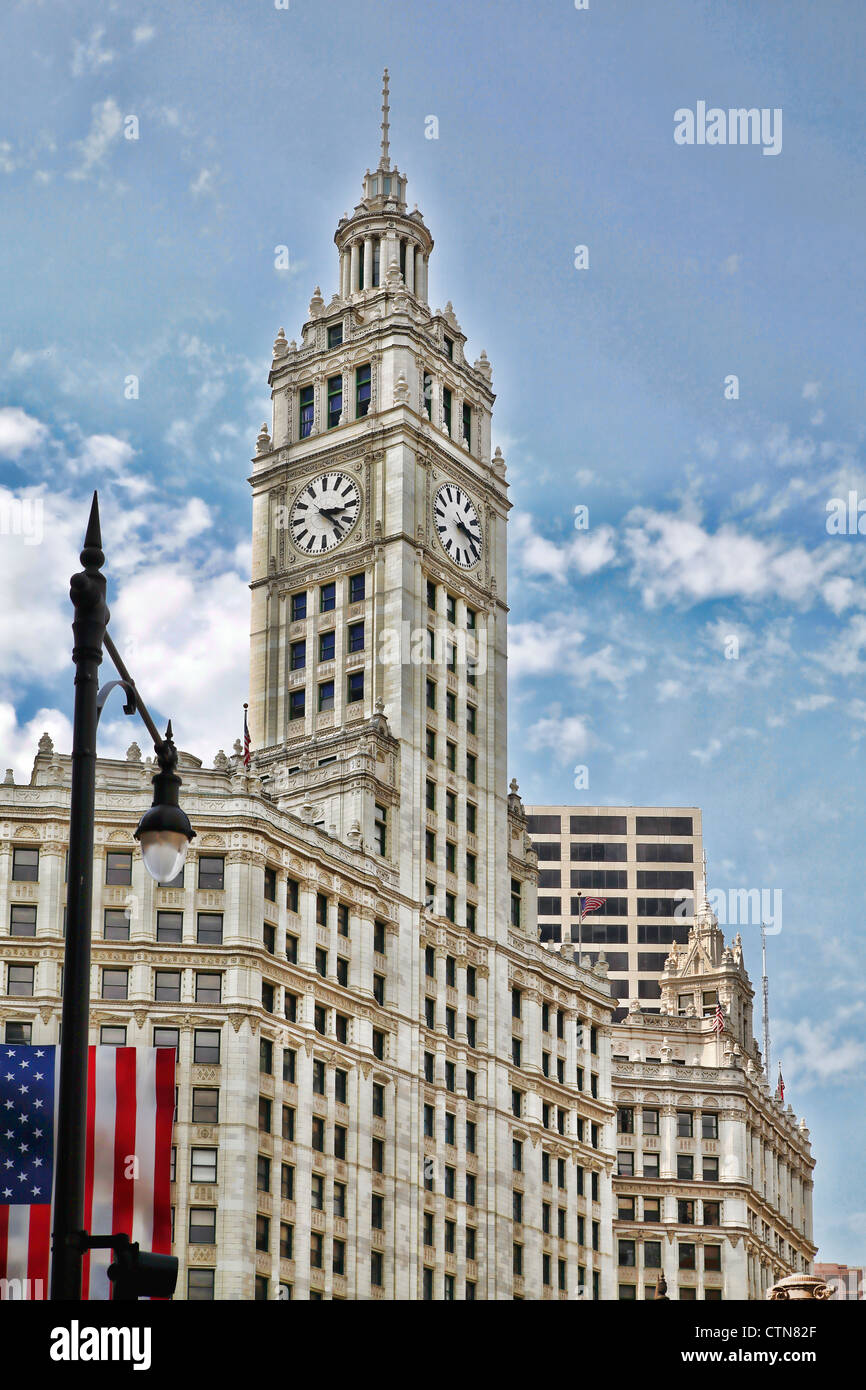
{"x": 164, "y": 835}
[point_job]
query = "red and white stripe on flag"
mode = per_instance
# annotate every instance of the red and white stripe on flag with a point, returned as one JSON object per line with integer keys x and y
{"x": 130, "y": 1110}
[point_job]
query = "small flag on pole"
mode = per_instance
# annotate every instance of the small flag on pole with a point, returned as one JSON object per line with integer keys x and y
{"x": 246, "y": 739}
{"x": 780, "y": 1086}
{"x": 718, "y": 1019}
{"x": 590, "y": 905}
{"x": 127, "y": 1184}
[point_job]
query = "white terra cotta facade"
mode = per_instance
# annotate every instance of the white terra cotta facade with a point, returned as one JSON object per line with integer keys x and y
{"x": 713, "y": 1184}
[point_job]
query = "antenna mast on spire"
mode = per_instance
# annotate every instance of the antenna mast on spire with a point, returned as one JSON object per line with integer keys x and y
{"x": 766, "y": 993}
{"x": 385, "y": 162}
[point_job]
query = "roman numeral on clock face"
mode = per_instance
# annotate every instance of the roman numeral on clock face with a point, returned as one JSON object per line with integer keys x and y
{"x": 457, "y": 525}
{"x": 324, "y": 513}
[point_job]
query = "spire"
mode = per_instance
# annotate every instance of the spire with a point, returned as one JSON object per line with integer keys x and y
{"x": 385, "y": 162}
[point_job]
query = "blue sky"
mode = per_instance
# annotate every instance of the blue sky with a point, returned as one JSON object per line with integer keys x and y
{"x": 154, "y": 258}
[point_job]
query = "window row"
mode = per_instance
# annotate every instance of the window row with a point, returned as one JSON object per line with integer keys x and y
{"x": 357, "y": 398}
{"x": 708, "y": 1121}
{"x": 325, "y": 695}
{"x": 651, "y": 1251}
{"x": 687, "y": 1211}
{"x": 327, "y": 646}
{"x": 118, "y": 869}
{"x": 650, "y": 1166}
{"x": 299, "y": 601}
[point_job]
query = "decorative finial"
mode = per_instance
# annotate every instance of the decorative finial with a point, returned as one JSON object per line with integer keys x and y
{"x": 385, "y": 162}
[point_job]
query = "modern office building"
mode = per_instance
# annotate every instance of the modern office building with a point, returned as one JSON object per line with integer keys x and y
{"x": 645, "y": 861}
{"x": 387, "y": 1087}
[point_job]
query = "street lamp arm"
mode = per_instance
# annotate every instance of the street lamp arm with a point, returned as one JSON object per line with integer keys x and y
{"x": 134, "y": 698}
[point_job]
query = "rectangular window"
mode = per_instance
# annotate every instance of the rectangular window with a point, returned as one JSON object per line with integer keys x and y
{"x": 208, "y": 988}
{"x": 326, "y": 696}
{"x": 306, "y": 412}
{"x": 515, "y": 902}
{"x": 357, "y": 587}
{"x": 327, "y": 641}
{"x": 335, "y": 400}
{"x": 209, "y": 928}
{"x": 446, "y": 408}
{"x": 115, "y": 983}
{"x": 428, "y": 395}
{"x": 354, "y": 687}
{"x": 335, "y": 334}
{"x": 169, "y": 927}
{"x": 471, "y": 768}
{"x": 297, "y": 704}
{"x": 205, "y": 1105}
{"x": 686, "y": 1256}
{"x": 113, "y": 1037}
{"x": 118, "y": 869}
{"x": 211, "y": 871}
{"x": 203, "y": 1165}
{"x": 206, "y": 1046}
{"x": 685, "y": 1167}
{"x": 685, "y": 1124}
{"x": 202, "y": 1225}
{"x": 298, "y": 655}
{"x": 167, "y": 986}
{"x": 467, "y": 426}
{"x": 22, "y": 921}
{"x": 379, "y": 828}
{"x": 686, "y": 1213}
{"x": 25, "y": 865}
{"x": 363, "y": 390}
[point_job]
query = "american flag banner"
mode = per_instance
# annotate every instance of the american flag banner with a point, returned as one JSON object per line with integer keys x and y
{"x": 130, "y": 1109}
{"x": 718, "y": 1020}
{"x": 591, "y": 904}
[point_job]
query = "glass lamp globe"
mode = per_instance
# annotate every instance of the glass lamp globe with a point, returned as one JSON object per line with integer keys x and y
{"x": 164, "y": 853}
{"x": 164, "y": 833}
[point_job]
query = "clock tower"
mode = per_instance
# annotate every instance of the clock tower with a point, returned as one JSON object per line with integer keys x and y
{"x": 378, "y": 632}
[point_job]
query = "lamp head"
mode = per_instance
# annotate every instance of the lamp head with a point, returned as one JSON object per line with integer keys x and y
{"x": 164, "y": 832}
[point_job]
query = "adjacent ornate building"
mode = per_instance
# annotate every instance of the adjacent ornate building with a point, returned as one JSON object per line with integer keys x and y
{"x": 713, "y": 1184}
{"x": 387, "y": 1087}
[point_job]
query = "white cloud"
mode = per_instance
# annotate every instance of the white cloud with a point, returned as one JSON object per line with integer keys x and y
{"x": 814, "y": 1055}
{"x": 203, "y": 183}
{"x": 811, "y": 390}
{"x": 712, "y": 750}
{"x": 19, "y": 432}
{"x": 90, "y": 55}
{"x": 670, "y": 690}
{"x": 586, "y": 552}
{"x": 8, "y": 162}
{"x": 674, "y": 559}
{"x": 731, "y": 264}
{"x": 143, "y": 33}
{"x": 808, "y": 703}
{"x": 105, "y": 128}
{"x": 568, "y": 734}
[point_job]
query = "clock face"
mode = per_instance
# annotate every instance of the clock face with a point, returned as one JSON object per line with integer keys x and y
{"x": 324, "y": 513}
{"x": 457, "y": 525}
